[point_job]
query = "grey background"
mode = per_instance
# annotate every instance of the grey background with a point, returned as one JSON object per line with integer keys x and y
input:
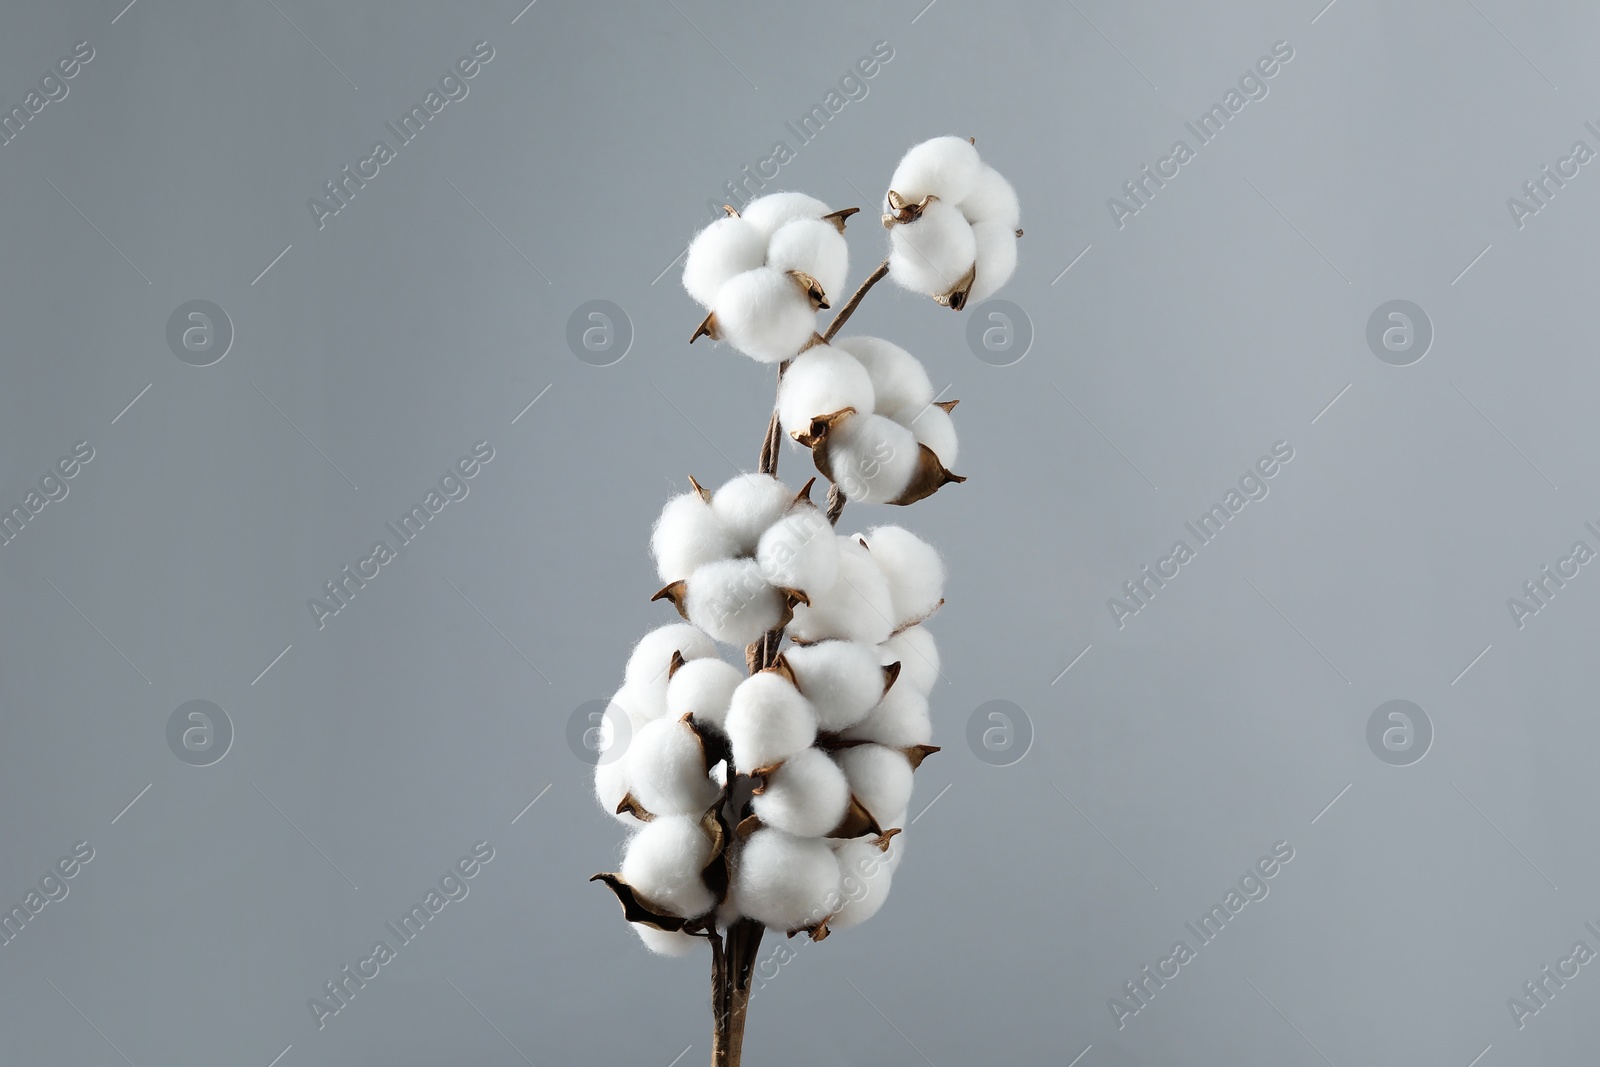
{"x": 427, "y": 715}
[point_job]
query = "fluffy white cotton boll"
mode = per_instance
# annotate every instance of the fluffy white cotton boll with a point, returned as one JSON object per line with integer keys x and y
{"x": 667, "y": 942}
{"x": 914, "y": 649}
{"x": 855, "y": 608}
{"x": 879, "y": 777}
{"x": 610, "y": 786}
{"x": 747, "y": 504}
{"x": 899, "y": 721}
{"x": 667, "y": 769}
{"x": 768, "y": 213}
{"x": 932, "y": 425}
{"x": 933, "y": 253}
{"x": 725, "y": 248}
{"x": 629, "y": 709}
{"x": 663, "y": 864}
{"x": 912, "y": 567}
{"x": 765, "y": 314}
{"x": 768, "y": 721}
{"x": 786, "y": 882}
{"x": 806, "y": 796}
{"x": 821, "y": 381}
{"x": 864, "y": 877}
{"x": 686, "y": 535}
{"x": 996, "y": 258}
{"x": 992, "y": 200}
{"x": 898, "y": 378}
{"x": 815, "y": 247}
{"x": 843, "y": 680}
{"x": 799, "y": 551}
{"x": 946, "y": 167}
{"x": 652, "y": 656}
{"x": 871, "y": 457}
{"x": 703, "y": 688}
{"x": 731, "y": 600}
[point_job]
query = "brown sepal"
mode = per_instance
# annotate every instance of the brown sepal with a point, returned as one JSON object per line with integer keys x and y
{"x": 707, "y": 328}
{"x": 915, "y": 754}
{"x": 817, "y": 432}
{"x": 747, "y": 826}
{"x": 715, "y": 873}
{"x": 816, "y": 931}
{"x": 705, "y": 494}
{"x": 764, "y": 773}
{"x": 631, "y": 805}
{"x": 782, "y": 666}
{"x": 948, "y": 405}
{"x": 857, "y": 822}
{"x": 902, "y": 210}
{"x": 891, "y": 673}
{"x": 804, "y": 495}
{"x": 811, "y": 287}
{"x": 673, "y": 591}
{"x": 838, "y": 217}
{"x": 677, "y": 661}
{"x": 1019, "y": 232}
{"x": 956, "y": 298}
{"x": 732, "y": 212}
{"x": 930, "y": 475}
{"x": 634, "y": 908}
{"x": 883, "y": 839}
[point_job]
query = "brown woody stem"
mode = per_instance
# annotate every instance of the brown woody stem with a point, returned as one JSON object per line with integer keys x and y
{"x": 849, "y": 309}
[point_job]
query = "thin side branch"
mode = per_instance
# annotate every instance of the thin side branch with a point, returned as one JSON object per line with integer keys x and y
{"x": 849, "y": 309}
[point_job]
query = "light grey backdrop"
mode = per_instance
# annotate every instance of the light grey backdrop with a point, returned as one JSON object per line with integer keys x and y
{"x": 1229, "y": 714}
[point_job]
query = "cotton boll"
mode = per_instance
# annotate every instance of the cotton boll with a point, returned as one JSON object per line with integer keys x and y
{"x": 946, "y": 167}
{"x": 747, "y": 504}
{"x": 872, "y": 458}
{"x": 723, "y": 249}
{"x": 786, "y": 882}
{"x": 843, "y": 680}
{"x": 880, "y": 778}
{"x": 667, "y": 942}
{"x": 898, "y": 378}
{"x": 806, "y": 796}
{"x": 768, "y": 721}
{"x": 799, "y": 551}
{"x": 996, "y": 258}
{"x": 731, "y": 600}
{"x": 610, "y": 786}
{"x": 703, "y": 688}
{"x": 768, "y": 213}
{"x": 932, "y": 425}
{"x": 765, "y": 314}
{"x": 914, "y": 649}
{"x": 686, "y": 535}
{"x": 652, "y": 656}
{"x": 667, "y": 769}
{"x": 821, "y": 381}
{"x": 663, "y": 864}
{"x": 814, "y": 247}
{"x": 865, "y": 873}
{"x": 992, "y": 199}
{"x": 931, "y": 254}
{"x": 855, "y": 608}
{"x": 913, "y": 569}
{"x": 899, "y": 721}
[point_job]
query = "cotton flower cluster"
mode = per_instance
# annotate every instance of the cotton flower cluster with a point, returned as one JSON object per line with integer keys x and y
{"x": 866, "y": 409}
{"x": 763, "y": 274}
{"x": 952, "y": 223}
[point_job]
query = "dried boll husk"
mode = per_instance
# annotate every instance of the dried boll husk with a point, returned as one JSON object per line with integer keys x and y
{"x": 994, "y": 259}
{"x": 843, "y": 680}
{"x": 898, "y": 721}
{"x": 855, "y": 608}
{"x": 799, "y": 551}
{"x": 768, "y": 721}
{"x": 688, "y": 534}
{"x": 932, "y": 254}
{"x": 992, "y": 200}
{"x": 703, "y": 688}
{"x": 769, "y": 213}
{"x": 747, "y": 504}
{"x": 821, "y": 380}
{"x": 932, "y": 426}
{"x": 663, "y": 865}
{"x": 879, "y": 777}
{"x": 898, "y": 378}
{"x": 806, "y": 795}
{"x": 872, "y": 458}
{"x": 946, "y": 167}
{"x": 667, "y": 769}
{"x": 766, "y": 313}
{"x": 786, "y": 882}
{"x": 914, "y": 571}
{"x": 814, "y": 247}
{"x": 651, "y": 658}
{"x": 726, "y": 248}
{"x": 914, "y": 649}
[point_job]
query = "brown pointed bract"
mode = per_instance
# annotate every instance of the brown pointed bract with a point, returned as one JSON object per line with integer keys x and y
{"x": 676, "y": 662}
{"x": 902, "y": 210}
{"x": 805, "y": 492}
{"x": 890, "y": 674}
{"x": 811, "y": 287}
{"x": 707, "y": 328}
{"x": 817, "y": 432}
{"x": 917, "y": 753}
{"x": 883, "y": 839}
{"x": 956, "y": 298}
{"x": 635, "y": 908}
{"x": 838, "y": 217}
{"x": 732, "y": 213}
{"x": 675, "y": 592}
{"x": 782, "y": 666}
{"x": 948, "y": 405}
{"x": 747, "y": 826}
{"x": 857, "y": 822}
{"x": 631, "y": 806}
{"x": 929, "y": 476}
{"x": 705, "y": 494}
{"x": 816, "y": 931}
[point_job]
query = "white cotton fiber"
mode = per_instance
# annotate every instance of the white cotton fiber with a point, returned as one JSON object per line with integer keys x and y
{"x": 768, "y": 213}
{"x": 799, "y": 551}
{"x": 647, "y": 665}
{"x": 747, "y": 504}
{"x": 932, "y": 425}
{"x": 610, "y": 786}
{"x": 914, "y": 649}
{"x": 898, "y": 378}
{"x": 765, "y": 314}
{"x": 946, "y": 167}
{"x": 879, "y": 777}
{"x": 663, "y": 864}
{"x": 815, "y": 247}
{"x": 913, "y": 569}
{"x": 703, "y": 688}
{"x": 731, "y": 601}
{"x": 667, "y": 942}
{"x": 842, "y": 679}
{"x": 686, "y": 535}
{"x": 865, "y": 872}
{"x": 786, "y": 882}
{"x": 872, "y": 458}
{"x": 723, "y": 249}
{"x": 806, "y": 796}
{"x": 992, "y": 200}
{"x": 768, "y": 721}
{"x": 855, "y": 608}
{"x": 630, "y": 708}
{"x": 899, "y": 721}
{"x": 930, "y": 255}
{"x": 667, "y": 769}
{"x": 821, "y": 381}
{"x": 996, "y": 257}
